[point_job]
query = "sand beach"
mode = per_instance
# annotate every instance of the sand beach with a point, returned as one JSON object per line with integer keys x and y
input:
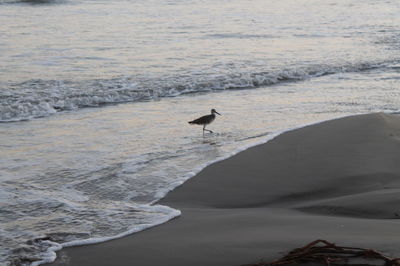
{"x": 338, "y": 180}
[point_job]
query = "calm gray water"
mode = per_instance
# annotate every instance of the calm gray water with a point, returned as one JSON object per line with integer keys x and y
{"x": 95, "y": 97}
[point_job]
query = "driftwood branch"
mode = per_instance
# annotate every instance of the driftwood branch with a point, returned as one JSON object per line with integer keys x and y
{"x": 322, "y": 252}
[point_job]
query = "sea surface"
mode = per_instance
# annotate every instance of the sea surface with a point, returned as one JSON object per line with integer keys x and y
{"x": 95, "y": 97}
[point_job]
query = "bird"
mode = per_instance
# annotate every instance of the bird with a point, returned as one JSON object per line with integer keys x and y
{"x": 205, "y": 120}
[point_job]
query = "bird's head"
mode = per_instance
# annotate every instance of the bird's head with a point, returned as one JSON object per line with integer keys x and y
{"x": 213, "y": 111}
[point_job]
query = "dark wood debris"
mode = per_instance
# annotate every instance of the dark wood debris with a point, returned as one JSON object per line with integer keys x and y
{"x": 322, "y": 252}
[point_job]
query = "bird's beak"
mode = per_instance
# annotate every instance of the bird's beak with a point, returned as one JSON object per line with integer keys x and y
{"x": 217, "y": 113}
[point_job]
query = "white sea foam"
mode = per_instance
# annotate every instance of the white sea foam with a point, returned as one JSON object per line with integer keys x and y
{"x": 50, "y": 254}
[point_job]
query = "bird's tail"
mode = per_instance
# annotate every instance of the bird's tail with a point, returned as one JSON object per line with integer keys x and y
{"x": 191, "y": 122}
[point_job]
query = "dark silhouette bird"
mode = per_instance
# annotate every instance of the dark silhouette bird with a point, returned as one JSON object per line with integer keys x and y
{"x": 205, "y": 120}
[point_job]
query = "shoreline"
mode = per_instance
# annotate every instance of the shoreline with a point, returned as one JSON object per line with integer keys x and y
{"x": 238, "y": 207}
{"x": 56, "y": 247}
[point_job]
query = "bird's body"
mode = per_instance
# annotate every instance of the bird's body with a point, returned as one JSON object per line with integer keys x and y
{"x": 205, "y": 120}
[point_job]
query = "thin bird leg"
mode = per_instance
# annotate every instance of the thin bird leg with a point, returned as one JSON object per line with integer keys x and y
{"x": 204, "y": 129}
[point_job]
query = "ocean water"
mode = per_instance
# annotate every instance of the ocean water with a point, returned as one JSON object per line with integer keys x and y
{"x": 95, "y": 97}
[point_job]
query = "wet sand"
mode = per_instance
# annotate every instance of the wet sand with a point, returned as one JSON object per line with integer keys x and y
{"x": 337, "y": 180}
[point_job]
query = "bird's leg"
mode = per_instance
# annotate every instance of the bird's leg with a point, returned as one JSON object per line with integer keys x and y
{"x": 204, "y": 129}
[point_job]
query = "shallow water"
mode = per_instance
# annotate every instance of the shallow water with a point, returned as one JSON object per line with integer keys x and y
{"x": 78, "y": 167}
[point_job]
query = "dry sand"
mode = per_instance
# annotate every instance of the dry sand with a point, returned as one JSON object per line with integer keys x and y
{"x": 338, "y": 180}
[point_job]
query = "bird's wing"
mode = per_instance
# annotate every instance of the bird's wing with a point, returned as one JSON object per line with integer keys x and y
{"x": 199, "y": 120}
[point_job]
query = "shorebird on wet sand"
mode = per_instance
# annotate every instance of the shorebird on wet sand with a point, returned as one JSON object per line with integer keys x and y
{"x": 205, "y": 120}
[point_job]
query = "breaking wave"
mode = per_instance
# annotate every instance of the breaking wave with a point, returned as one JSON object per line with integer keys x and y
{"x": 40, "y": 98}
